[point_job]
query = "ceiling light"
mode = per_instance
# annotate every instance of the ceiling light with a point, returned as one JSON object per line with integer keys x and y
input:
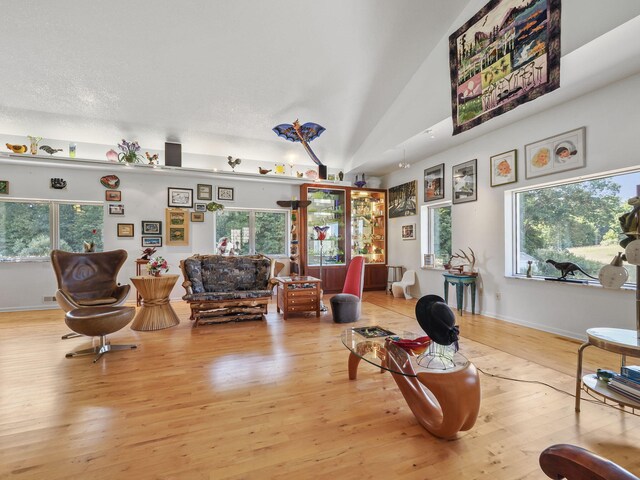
{"x": 403, "y": 163}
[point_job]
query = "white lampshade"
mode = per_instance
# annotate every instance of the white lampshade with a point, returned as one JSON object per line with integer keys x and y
{"x": 614, "y": 275}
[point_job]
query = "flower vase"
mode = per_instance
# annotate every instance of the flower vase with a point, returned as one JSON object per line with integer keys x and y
{"x": 157, "y": 274}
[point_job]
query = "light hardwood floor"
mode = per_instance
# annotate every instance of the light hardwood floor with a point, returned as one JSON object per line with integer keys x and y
{"x": 272, "y": 400}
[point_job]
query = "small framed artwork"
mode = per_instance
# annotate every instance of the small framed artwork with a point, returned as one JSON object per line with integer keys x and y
{"x": 180, "y": 197}
{"x": 504, "y": 168}
{"x": 151, "y": 228}
{"x": 434, "y": 183}
{"x": 151, "y": 241}
{"x": 125, "y": 230}
{"x": 465, "y": 182}
{"x": 177, "y": 227}
{"x": 200, "y": 207}
{"x": 331, "y": 177}
{"x": 205, "y": 192}
{"x": 409, "y": 232}
{"x": 4, "y": 187}
{"x": 197, "y": 217}
{"x": 429, "y": 260}
{"x": 225, "y": 193}
{"x": 555, "y": 154}
{"x": 113, "y": 195}
{"x": 116, "y": 209}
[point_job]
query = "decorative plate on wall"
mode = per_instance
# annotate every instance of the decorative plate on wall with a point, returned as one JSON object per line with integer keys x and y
{"x": 110, "y": 181}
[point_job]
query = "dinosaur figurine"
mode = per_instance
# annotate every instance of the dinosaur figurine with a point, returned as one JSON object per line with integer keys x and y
{"x": 568, "y": 268}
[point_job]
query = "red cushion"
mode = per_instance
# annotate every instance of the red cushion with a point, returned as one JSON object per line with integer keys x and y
{"x": 355, "y": 277}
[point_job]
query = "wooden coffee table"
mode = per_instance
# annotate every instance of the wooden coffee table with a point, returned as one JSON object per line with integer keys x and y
{"x": 156, "y": 312}
{"x": 298, "y": 294}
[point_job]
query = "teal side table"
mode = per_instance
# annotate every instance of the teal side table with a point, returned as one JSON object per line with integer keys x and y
{"x": 460, "y": 281}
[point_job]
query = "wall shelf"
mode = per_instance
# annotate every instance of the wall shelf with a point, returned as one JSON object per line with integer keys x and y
{"x": 88, "y": 163}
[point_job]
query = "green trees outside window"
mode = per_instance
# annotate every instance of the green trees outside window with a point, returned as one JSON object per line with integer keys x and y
{"x": 253, "y": 231}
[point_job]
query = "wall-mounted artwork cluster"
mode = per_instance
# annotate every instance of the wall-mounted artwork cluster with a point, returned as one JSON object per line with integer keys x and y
{"x": 507, "y": 54}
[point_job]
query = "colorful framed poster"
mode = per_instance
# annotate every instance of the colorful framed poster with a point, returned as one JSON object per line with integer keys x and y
{"x": 151, "y": 241}
{"x": 434, "y": 183}
{"x": 177, "y": 227}
{"x": 113, "y": 195}
{"x": 403, "y": 199}
{"x": 507, "y": 54}
{"x": 504, "y": 168}
{"x": 465, "y": 182}
{"x": 151, "y": 228}
{"x": 555, "y": 154}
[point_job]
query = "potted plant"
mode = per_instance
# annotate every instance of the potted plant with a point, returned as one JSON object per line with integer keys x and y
{"x": 129, "y": 152}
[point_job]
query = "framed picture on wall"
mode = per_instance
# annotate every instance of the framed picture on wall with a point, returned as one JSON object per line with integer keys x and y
{"x": 200, "y": 207}
{"x": 151, "y": 228}
{"x": 125, "y": 230}
{"x": 151, "y": 241}
{"x": 225, "y": 193}
{"x": 434, "y": 183}
{"x": 4, "y": 187}
{"x": 409, "y": 231}
{"x": 555, "y": 154}
{"x": 504, "y": 168}
{"x": 403, "y": 199}
{"x": 113, "y": 195}
{"x": 205, "y": 192}
{"x": 116, "y": 209}
{"x": 465, "y": 182}
{"x": 429, "y": 260}
{"x": 180, "y": 197}
{"x": 177, "y": 227}
{"x": 197, "y": 217}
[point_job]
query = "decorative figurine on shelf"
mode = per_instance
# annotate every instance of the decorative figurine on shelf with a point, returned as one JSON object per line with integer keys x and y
{"x": 34, "y": 144}
{"x": 529, "y": 269}
{"x": 49, "y": 150}
{"x": 629, "y": 222}
{"x": 129, "y": 152}
{"x": 299, "y": 174}
{"x": 340, "y": 175}
{"x": 147, "y": 252}
{"x": 17, "y": 148}
{"x": 304, "y": 134}
{"x": 152, "y": 159}
{"x": 156, "y": 266}
{"x": 360, "y": 183}
{"x": 263, "y": 171}
{"x": 90, "y": 246}
{"x": 225, "y": 247}
{"x": 280, "y": 169}
{"x": 112, "y": 155}
{"x": 233, "y": 163}
{"x": 72, "y": 150}
{"x": 567, "y": 268}
{"x": 58, "y": 183}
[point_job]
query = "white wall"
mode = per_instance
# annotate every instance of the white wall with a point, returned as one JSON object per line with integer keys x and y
{"x": 612, "y": 118}
{"x": 144, "y": 195}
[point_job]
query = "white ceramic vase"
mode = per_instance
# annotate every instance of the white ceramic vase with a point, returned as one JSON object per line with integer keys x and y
{"x": 613, "y": 275}
{"x": 632, "y": 252}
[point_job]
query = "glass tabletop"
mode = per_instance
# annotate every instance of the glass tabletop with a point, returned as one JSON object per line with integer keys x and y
{"x": 374, "y": 345}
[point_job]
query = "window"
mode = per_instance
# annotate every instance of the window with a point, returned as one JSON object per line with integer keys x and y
{"x": 253, "y": 231}
{"x": 436, "y": 239}
{"x": 30, "y": 229}
{"x": 571, "y": 222}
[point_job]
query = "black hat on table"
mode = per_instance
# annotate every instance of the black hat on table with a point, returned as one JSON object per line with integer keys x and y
{"x": 437, "y": 320}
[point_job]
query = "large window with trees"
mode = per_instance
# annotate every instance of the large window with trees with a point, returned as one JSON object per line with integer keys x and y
{"x": 30, "y": 229}
{"x": 253, "y": 231}
{"x": 436, "y": 234}
{"x": 572, "y": 222}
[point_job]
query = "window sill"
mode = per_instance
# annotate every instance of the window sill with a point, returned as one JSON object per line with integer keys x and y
{"x": 591, "y": 284}
{"x": 438, "y": 269}
{"x": 26, "y": 260}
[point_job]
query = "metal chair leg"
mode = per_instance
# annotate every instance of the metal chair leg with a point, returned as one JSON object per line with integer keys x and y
{"x": 70, "y": 335}
{"x": 100, "y": 350}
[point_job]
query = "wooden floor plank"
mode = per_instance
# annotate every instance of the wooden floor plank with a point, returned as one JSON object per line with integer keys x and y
{"x": 272, "y": 399}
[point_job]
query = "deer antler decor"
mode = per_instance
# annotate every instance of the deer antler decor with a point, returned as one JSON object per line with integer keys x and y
{"x": 469, "y": 260}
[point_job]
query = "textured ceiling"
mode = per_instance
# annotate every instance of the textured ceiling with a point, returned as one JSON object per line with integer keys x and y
{"x": 216, "y": 75}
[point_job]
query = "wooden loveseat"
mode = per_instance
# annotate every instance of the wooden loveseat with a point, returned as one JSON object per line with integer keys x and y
{"x": 226, "y": 288}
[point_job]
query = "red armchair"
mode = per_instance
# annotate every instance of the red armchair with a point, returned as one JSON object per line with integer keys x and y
{"x": 345, "y": 306}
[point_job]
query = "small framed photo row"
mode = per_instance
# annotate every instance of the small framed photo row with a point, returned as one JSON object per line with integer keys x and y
{"x": 116, "y": 209}
{"x": 205, "y": 192}
{"x": 504, "y": 168}
{"x": 180, "y": 197}
{"x": 151, "y": 227}
{"x": 200, "y": 207}
{"x": 125, "y": 230}
{"x": 197, "y": 217}
{"x": 225, "y": 193}
{"x": 555, "y": 154}
{"x": 113, "y": 195}
{"x": 4, "y": 187}
{"x": 151, "y": 241}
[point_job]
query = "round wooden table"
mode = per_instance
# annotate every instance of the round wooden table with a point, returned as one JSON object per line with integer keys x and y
{"x": 155, "y": 312}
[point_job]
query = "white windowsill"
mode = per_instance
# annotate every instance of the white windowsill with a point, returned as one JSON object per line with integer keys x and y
{"x": 27, "y": 260}
{"x": 591, "y": 284}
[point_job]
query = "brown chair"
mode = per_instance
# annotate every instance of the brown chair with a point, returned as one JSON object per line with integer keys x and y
{"x": 88, "y": 279}
{"x": 575, "y": 463}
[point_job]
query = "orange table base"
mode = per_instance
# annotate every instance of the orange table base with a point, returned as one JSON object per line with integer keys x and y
{"x": 155, "y": 312}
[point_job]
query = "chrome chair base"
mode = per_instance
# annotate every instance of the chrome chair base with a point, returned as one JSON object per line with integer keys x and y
{"x": 70, "y": 335}
{"x": 100, "y": 350}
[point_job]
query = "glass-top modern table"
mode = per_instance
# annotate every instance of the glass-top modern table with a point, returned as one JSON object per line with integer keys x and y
{"x": 442, "y": 388}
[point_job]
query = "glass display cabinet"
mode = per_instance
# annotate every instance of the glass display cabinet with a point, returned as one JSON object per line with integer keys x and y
{"x": 368, "y": 235}
{"x": 354, "y": 222}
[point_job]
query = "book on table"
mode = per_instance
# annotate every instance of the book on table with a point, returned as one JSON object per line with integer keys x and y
{"x": 625, "y": 387}
{"x": 631, "y": 372}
